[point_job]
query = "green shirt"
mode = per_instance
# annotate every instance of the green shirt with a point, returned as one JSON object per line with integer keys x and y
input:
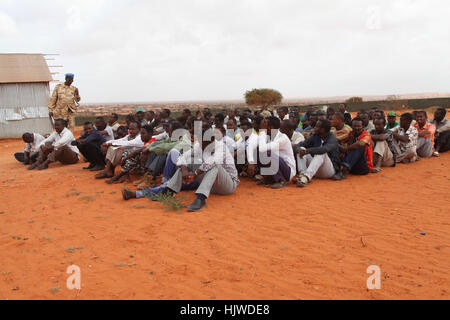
{"x": 396, "y": 125}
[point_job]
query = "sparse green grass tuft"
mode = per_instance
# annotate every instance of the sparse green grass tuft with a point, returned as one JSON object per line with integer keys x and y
{"x": 170, "y": 202}
{"x": 73, "y": 249}
{"x": 87, "y": 199}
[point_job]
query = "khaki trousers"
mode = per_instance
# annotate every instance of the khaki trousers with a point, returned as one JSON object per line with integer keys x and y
{"x": 382, "y": 149}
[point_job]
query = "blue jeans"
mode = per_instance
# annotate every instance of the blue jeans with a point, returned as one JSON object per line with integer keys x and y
{"x": 170, "y": 169}
{"x": 356, "y": 162}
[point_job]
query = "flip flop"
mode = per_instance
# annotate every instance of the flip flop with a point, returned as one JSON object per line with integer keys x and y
{"x": 32, "y": 167}
{"x": 302, "y": 181}
{"x": 102, "y": 175}
{"x": 43, "y": 167}
{"x": 278, "y": 185}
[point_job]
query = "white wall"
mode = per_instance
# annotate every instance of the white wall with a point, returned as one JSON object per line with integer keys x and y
{"x": 23, "y": 108}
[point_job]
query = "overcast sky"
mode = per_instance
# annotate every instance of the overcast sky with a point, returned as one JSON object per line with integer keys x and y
{"x": 167, "y": 50}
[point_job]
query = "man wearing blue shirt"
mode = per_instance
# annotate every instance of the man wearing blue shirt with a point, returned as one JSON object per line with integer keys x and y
{"x": 89, "y": 145}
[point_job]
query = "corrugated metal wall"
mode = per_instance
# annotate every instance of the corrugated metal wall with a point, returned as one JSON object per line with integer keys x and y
{"x": 23, "y": 108}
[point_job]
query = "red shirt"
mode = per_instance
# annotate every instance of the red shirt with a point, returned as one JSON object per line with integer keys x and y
{"x": 367, "y": 139}
{"x": 150, "y": 142}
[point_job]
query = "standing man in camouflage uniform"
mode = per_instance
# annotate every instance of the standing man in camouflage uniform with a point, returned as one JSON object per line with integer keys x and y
{"x": 62, "y": 104}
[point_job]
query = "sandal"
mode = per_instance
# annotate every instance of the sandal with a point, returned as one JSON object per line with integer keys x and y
{"x": 302, "y": 181}
{"x": 102, "y": 175}
{"x": 43, "y": 167}
{"x": 262, "y": 182}
{"x": 32, "y": 167}
{"x": 279, "y": 185}
{"x": 376, "y": 170}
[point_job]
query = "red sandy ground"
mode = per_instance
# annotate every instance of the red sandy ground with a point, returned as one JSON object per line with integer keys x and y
{"x": 315, "y": 243}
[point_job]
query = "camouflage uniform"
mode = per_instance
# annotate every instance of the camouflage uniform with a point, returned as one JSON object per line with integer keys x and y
{"x": 62, "y": 104}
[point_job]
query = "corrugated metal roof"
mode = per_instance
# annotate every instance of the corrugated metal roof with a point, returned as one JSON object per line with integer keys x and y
{"x": 21, "y": 68}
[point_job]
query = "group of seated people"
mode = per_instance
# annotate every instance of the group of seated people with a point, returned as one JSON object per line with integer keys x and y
{"x": 210, "y": 153}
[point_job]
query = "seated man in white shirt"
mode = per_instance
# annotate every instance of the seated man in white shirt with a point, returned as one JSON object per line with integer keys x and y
{"x": 288, "y": 128}
{"x": 106, "y": 131}
{"x": 114, "y": 149}
{"x": 221, "y": 135}
{"x": 57, "y": 147}
{"x": 31, "y": 150}
{"x": 276, "y": 156}
{"x": 252, "y": 148}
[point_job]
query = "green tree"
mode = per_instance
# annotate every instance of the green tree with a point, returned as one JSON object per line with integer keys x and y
{"x": 354, "y": 99}
{"x": 263, "y": 98}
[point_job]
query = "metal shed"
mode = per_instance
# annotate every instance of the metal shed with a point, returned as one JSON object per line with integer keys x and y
{"x": 24, "y": 93}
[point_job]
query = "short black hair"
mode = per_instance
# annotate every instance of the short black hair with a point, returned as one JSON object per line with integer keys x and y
{"x": 64, "y": 122}
{"x": 246, "y": 124}
{"x": 115, "y": 115}
{"x": 358, "y": 119}
{"x": 443, "y": 110}
{"x": 167, "y": 111}
{"x": 233, "y": 119}
{"x": 140, "y": 112}
{"x": 148, "y": 128}
{"x": 274, "y": 122}
{"x": 258, "y": 119}
{"x": 407, "y": 116}
{"x": 187, "y": 111}
{"x": 137, "y": 123}
{"x": 87, "y": 123}
{"x": 176, "y": 125}
{"x": 285, "y": 109}
{"x": 27, "y": 136}
{"x": 325, "y": 124}
{"x": 101, "y": 119}
{"x": 122, "y": 128}
{"x": 424, "y": 113}
{"x": 220, "y": 117}
{"x": 380, "y": 118}
{"x": 288, "y": 123}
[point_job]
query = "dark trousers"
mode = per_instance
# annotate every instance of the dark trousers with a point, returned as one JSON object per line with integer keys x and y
{"x": 356, "y": 162}
{"x": 443, "y": 140}
{"x": 155, "y": 163}
{"x": 20, "y": 156}
{"x": 283, "y": 172}
{"x": 92, "y": 154}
